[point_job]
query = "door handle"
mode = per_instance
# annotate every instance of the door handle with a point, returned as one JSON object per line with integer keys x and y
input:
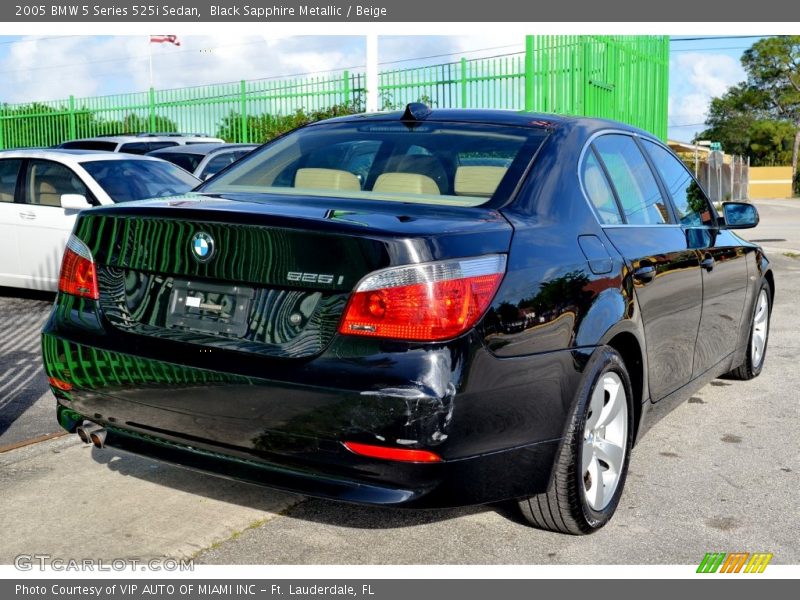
{"x": 28, "y": 216}
{"x": 707, "y": 263}
{"x": 645, "y": 274}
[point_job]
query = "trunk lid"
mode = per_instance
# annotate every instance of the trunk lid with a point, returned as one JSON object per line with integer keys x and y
{"x": 264, "y": 274}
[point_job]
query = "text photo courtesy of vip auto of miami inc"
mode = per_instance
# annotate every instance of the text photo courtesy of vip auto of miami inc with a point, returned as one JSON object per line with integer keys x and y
{"x": 397, "y": 300}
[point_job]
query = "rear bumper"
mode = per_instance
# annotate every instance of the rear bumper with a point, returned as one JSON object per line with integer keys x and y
{"x": 496, "y": 423}
{"x": 474, "y": 480}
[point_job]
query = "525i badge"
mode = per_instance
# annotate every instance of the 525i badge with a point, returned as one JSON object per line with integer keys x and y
{"x": 313, "y": 277}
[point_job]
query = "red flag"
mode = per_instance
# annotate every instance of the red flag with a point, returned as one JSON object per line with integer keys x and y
{"x": 161, "y": 39}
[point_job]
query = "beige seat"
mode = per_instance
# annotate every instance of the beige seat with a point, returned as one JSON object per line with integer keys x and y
{"x": 406, "y": 183}
{"x": 326, "y": 179}
{"x": 478, "y": 180}
{"x": 46, "y": 194}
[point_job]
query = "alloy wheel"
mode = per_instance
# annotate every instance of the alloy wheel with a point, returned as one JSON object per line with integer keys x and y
{"x": 604, "y": 440}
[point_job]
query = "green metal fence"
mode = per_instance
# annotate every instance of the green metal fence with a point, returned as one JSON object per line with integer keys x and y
{"x": 617, "y": 77}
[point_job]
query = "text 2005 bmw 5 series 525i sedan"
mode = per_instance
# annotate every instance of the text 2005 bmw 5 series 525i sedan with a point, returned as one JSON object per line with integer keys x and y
{"x": 421, "y": 308}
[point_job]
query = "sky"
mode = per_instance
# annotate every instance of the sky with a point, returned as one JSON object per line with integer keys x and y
{"x": 54, "y": 67}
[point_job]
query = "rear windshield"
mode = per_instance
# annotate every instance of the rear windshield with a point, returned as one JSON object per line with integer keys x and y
{"x": 126, "y": 180}
{"x": 183, "y": 159}
{"x": 90, "y": 145}
{"x": 456, "y": 164}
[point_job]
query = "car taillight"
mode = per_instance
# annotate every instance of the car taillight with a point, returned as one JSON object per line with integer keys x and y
{"x": 78, "y": 275}
{"x": 425, "y": 302}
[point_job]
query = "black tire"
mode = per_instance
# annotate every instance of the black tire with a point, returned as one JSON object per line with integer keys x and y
{"x": 564, "y": 507}
{"x": 749, "y": 370}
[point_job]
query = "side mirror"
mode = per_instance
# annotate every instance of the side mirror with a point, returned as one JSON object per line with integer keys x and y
{"x": 74, "y": 202}
{"x": 739, "y": 215}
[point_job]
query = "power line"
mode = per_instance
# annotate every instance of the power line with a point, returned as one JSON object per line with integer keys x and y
{"x": 710, "y": 49}
{"x": 718, "y": 37}
{"x": 39, "y": 39}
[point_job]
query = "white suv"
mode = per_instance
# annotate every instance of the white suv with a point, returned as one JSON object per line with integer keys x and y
{"x": 138, "y": 143}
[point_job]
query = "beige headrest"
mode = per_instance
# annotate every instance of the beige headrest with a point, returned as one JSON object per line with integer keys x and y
{"x": 45, "y": 187}
{"x": 406, "y": 183}
{"x": 478, "y": 180}
{"x": 326, "y": 179}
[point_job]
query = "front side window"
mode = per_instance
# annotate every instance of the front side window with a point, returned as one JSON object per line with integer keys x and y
{"x": 220, "y": 161}
{"x": 9, "y": 169}
{"x": 632, "y": 179}
{"x": 455, "y": 164}
{"x": 47, "y": 181}
{"x": 131, "y": 179}
{"x": 691, "y": 204}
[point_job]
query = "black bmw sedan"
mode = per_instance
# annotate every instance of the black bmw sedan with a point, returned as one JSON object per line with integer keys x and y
{"x": 422, "y": 308}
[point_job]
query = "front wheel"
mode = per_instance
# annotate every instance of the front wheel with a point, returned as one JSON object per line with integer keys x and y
{"x": 590, "y": 471}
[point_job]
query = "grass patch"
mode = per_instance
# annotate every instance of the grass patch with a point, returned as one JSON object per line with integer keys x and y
{"x": 792, "y": 254}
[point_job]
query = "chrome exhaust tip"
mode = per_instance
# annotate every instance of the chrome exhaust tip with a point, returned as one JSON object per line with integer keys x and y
{"x": 85, "y": 431}
{"x": 98, "y": 437}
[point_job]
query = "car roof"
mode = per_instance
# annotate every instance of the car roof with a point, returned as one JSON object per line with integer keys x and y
{"x": 200, "y": 148}
{"x": 124, "y": 138}
{"x": 65, "y": 155}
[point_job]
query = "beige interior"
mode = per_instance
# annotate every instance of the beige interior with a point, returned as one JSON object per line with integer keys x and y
{"x": 326, "y": 179}
{"x": 478, "y": 180}
{"x": 45, "y": 184}
{"x": 6, "y": 197}
{"x": 406, "y": 183}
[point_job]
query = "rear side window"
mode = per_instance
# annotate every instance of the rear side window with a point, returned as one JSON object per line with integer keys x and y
{"x": 90, "y": 145}
{"x": 632, "y": 179}
{"x": 183, "y": 159}
{"x": 599, "y": 191}
{"x": 690, "y": 202}
{"x": 8, "y": 178}
{"x": 145, "y": 147}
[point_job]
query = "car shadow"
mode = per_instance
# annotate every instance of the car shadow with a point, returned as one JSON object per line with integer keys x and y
{"x": 22, "y": 379}
{"x": 25, "y": 294}
{"x": 249, "y": 495}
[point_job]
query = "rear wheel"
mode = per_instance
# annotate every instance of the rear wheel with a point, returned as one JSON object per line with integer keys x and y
{"x": 759, "y": 335}
{"x": 590, "y": 472}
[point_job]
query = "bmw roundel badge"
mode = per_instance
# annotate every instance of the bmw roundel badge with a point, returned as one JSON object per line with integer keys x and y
{"x": 202, "y": 246}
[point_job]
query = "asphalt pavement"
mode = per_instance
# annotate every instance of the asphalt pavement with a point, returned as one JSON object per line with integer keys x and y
{"x": 720, "y": 473}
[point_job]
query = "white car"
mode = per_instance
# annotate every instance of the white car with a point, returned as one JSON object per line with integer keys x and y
{"x": 204, "y": 160}
{"x": 42, "y": 191}
{"x": 138, "y": 143}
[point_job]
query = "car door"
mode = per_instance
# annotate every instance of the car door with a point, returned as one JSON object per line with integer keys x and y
{"x": 44, "y": 226}
{"x": 723, "y": 261}
{"x": 9, "y": 220}
{"x": 665, "y": 270}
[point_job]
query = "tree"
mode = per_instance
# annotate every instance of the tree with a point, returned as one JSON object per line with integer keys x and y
{"x": 773, "y": 72}
{"x": 264, "y": 127}
{"x": 739, "y": 121}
